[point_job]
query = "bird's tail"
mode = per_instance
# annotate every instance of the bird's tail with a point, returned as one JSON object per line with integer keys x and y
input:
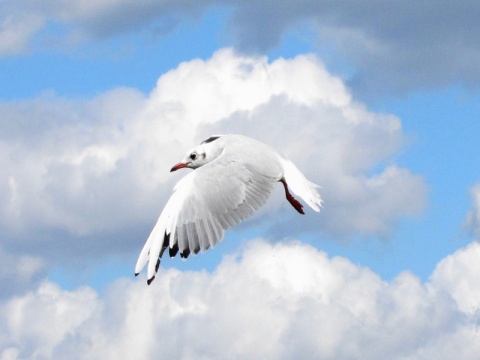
{"x": 301, "y": 186}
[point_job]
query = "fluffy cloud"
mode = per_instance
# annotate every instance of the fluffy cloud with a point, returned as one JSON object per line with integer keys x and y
{"x": 269, "y": 301}
{"x": 37, "y": 322}
{"x": 457, "y": 274}
{"x": 75, "y": 171}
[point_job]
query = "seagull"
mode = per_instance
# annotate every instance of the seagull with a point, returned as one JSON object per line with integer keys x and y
{"x": 234, "y": 176}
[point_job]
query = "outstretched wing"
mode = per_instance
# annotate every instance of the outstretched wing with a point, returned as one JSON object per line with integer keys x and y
{"x": 203, "y": 205}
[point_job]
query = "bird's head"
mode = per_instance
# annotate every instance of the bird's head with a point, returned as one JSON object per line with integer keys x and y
{"x": 200, "y": 155}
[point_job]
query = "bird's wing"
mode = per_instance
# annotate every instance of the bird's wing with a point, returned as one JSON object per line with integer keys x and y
{"x": 204, "y": 203}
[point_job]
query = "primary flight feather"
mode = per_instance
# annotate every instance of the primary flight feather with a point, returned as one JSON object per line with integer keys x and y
{"x": 234, "y": 175}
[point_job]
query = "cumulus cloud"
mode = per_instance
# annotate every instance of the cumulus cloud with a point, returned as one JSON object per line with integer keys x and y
{"x": 38, "y": 321}
{"x": 457, "y": 274}
{"x": 268, "y": 301}
{"x": 76, "y": 171}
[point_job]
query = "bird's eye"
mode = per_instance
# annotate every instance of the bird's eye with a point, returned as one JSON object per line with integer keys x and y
{"x": 193, "y": 156}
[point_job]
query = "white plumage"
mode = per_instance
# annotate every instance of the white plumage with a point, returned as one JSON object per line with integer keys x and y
{"x": 234, "y": 175}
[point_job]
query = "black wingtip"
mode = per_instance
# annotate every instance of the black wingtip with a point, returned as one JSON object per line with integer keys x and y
{"x": 149, "y": 281}
{"x": 136, "y": 274}
{"x": 173, "y": 250}
{"x": 184, "y": 254}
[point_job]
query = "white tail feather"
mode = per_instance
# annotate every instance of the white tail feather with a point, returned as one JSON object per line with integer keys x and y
{"x": 301, "y": 186}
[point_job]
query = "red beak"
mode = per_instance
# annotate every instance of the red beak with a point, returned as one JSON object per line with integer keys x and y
{"x": 179, "y": 166}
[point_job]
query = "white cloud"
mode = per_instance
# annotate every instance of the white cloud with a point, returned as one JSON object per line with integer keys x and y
{"x": 38, "y": 321}
{"x": 270, "y": 301}
{"x": 458, "y": 275}
{"x": 60, "y": 159}
{"x": 100, "y": 167}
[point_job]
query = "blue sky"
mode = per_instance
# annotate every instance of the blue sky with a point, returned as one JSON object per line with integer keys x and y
{"x": 99, "y": 100}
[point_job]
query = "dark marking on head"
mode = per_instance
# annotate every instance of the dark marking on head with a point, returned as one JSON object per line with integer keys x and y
{"x": 210, "y": 139}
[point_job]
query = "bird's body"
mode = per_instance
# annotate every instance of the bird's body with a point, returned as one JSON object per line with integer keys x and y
{"x": 234, "y": 175}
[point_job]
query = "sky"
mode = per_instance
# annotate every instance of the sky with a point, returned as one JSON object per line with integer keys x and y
{"x": 379, "y": 104}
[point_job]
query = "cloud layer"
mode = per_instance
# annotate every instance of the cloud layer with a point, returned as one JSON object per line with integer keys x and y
{"x": 391, "y": 46}
{"x": 409, "y": 46}
{"x": 269, "y": 301}
{"x": 82, "y": 178}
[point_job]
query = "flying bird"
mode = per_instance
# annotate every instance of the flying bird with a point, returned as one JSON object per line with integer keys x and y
{"x": 234, "y": 176}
